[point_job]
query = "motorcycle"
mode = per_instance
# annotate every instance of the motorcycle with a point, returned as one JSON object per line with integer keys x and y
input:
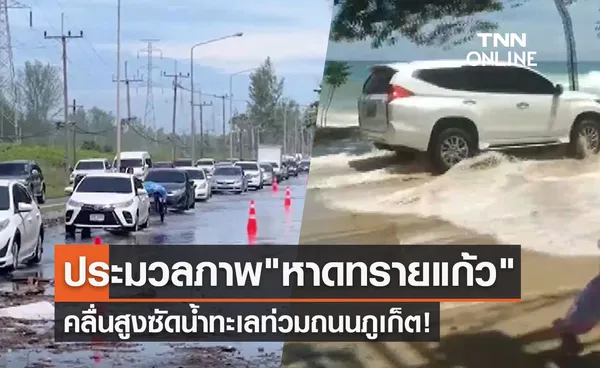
{"x": 158, "y": 199}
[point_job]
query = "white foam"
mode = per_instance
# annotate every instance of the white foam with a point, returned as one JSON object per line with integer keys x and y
{"x": 509, "y": 199}
{"x": 348, "y": 180}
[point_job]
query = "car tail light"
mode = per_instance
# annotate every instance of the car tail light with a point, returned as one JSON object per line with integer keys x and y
{"x": 396, "y": 92}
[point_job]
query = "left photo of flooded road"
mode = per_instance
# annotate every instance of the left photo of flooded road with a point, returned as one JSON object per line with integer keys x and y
{"x": 125, "y": 123}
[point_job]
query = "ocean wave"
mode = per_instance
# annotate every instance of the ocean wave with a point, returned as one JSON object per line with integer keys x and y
{"x": 588, "y": 82}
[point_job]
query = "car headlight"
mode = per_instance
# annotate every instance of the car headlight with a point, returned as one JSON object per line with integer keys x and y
{"x": 4, "y": 224}
{"x": 72, "y": 203}
{"x": 238, "y": 182}
{"x": 177, "y": 192}
{"x": 202, "y": 185}
{"x": 123, "y": 204}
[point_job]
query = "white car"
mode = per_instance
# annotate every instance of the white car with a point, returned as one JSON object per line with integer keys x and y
{"x": 107, "y": 201}
{"x": 267, "y": 173}
{"x": 21, "y": 227}
{"x": 202, "y": 190}
{"x": 253, "y": 173}
{"x": 89, "y": 166}
{"x": 452, "y": 110}
{"x": 208, "y": 164}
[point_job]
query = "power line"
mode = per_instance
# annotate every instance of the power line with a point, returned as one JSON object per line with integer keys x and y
{"x": 127, "y": 82}
{"x": 63, "y": 39}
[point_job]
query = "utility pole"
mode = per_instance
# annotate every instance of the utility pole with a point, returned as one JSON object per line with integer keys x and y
{"x": 63, "y": 39}
{"x": 127, "y": 82}
{"x": 222, "y": 97}
{"x": 285, "y": 106}
{"x": 176, "y": 76}
{"x": 201, "y": 106}
{"x": 73, "y": 123}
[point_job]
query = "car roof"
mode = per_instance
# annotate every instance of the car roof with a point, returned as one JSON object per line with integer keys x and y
{"x": 435, "y": 64}
{"x": 246, "y": 162}
{"x": 109, "y": 175}
{"x": 7, "y": 182}
{"x": 92, "y": 159}
{"x": 134, "y": 154}
{"x": 190, "y": 168}
{"x": 183, "y": 159}
{"x": 17, "y": 162}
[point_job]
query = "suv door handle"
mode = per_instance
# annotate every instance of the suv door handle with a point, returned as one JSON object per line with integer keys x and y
{"x": 522, "y": 105}
{"x": 469, "y": 102}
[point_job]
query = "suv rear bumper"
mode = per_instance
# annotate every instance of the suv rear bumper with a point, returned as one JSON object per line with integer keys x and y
{"x": 401, "y": 135}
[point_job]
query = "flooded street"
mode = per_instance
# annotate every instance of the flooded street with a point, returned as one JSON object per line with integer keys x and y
{"x": 221, "y": 220}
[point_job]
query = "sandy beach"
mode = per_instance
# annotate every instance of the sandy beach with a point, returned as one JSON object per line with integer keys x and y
{"x": 473, "y": 335}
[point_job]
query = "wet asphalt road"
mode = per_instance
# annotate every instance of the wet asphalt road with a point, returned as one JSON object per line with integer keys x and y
{"x": 221, "y": 220}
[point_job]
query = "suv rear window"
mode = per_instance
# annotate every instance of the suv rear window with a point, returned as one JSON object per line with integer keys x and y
{"x": 379, "y": 81}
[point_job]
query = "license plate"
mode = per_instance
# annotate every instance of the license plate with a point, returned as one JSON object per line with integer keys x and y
{"x": 97, "y": 217}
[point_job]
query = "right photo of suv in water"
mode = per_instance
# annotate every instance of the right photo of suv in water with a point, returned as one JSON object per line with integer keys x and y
{"x": 452, "y": 110}
{"x": 415, "y": 144}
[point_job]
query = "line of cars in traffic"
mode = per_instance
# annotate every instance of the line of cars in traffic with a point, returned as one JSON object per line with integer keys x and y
{"x": 100, "y": 197}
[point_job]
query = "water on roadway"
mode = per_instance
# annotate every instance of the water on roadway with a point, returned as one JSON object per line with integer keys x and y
{"x": 221, "y": 220}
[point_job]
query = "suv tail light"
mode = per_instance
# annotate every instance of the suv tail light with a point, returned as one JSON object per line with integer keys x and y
{"x": 395, "y": 92}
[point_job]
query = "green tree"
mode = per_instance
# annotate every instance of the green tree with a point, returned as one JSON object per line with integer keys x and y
{"x": 335, "y": 75}
{"x": 425, "y": 22}
{"x": 265, "y": 92}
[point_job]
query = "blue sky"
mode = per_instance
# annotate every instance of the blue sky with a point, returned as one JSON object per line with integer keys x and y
{"x": 538, "y": 19}
{"x": 293, "y": 33}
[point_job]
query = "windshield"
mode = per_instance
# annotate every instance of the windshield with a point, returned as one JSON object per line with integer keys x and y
{"x": 182, "y": 162}
{"x": 228, "y": 171}
{"x": 195, "y": 174}
{"x": 90, "y": 165}
{"x": 166, "y": 176}
{"x": 99, "y": 184}
{"x": 12, "y": 169}
{"x": 274, "y": 165}
{"x": 130, "y": 162}
{"x": 204, "y": 162}
{"x": 266, "y": 167}
{"x": 247, "y": 166}
{"x": 4, "y": 199}
{"x": 163, "y": 165}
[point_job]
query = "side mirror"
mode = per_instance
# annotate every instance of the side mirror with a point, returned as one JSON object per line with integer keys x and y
{"x": 558, "y": 89}
{"x": 141, "y": 192}
{"x": 69, "y": 190}
{"x": 25, "y": 207}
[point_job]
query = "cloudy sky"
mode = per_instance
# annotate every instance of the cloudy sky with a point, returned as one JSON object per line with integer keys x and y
{"x": 538, "y": 19}
{"x": 293, "y": 33}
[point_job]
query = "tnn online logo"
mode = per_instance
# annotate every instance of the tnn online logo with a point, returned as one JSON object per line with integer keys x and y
{"x": 510, "y": 42}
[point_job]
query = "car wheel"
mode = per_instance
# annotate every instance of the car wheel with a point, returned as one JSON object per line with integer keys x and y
{"x": 14, "y": 250}
{"x": 450, "y": 147}
{"x": 70, "y": 231}
{"x": 39, "y": 250}
{"x": 145, "y": 224}
{"x": 135, "y": 226}
{"x": 41, "y": 199}
{"x": 585, "y": 138}
{"x": 86, "y": 233}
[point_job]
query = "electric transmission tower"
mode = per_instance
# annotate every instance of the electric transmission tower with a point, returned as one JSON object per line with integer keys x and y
{"x": 149, "y": 113}
{"x": 9, "y": 91}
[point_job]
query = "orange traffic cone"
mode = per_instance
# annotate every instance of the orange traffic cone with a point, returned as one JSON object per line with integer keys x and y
{"x": 275, "y": 186}
{"x": 288, "y": 197}
{"x": 97, "y": 240}
{"x": 251, "y": 227}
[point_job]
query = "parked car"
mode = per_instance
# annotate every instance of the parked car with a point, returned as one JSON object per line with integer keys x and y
{"x": 292, "y": 168}
{"x": 208, "y": 164}
{"x": 21, "y": 226}
{"x": 253, "y": 174}
{"x": 229, "y": 179}
{"x": 28, "y": 173}
{"x": 88, "y": 166}
{"x": 179, "y": 186}
{"x": 453, "y": 110}
{"x": 202, "y": 190}
{"x": 107, "y": 201}
{"x": 268, "y": 175}
{"x": 163, "y": 165}
{"x": 278, "y": 171}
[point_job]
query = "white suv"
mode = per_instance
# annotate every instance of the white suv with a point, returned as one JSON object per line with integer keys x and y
{"x": 452, "y": 110}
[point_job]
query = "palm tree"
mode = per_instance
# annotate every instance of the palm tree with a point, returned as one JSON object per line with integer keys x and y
{"x": 561, "y": 7}
{"x": 336, "y": 74}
